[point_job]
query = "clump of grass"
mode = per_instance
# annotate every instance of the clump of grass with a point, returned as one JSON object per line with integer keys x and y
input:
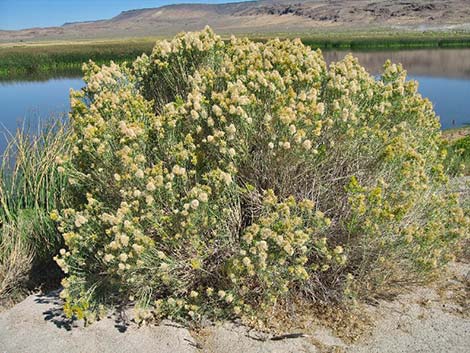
{"x": 458, "y": 158}
{"x": 16, "y": 259}
{"x": 30, "y": 187}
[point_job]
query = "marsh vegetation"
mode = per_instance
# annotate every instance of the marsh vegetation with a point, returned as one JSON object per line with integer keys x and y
{"x": 31, "y": 60}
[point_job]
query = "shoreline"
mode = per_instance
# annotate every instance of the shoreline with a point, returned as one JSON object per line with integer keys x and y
{"x": 20, "y": 59}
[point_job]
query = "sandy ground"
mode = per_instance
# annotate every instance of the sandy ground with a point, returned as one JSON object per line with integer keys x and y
{"x": 431, "y": 319}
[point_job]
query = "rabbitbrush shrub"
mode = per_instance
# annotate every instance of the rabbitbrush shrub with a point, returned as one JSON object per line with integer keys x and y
{"x": 217, "y": 179}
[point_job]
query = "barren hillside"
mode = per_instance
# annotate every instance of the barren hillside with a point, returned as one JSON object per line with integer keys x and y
{"x": 264, "y": 17}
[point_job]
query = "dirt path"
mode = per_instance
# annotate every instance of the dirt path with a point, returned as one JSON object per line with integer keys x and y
{"x": 431, "y": 319}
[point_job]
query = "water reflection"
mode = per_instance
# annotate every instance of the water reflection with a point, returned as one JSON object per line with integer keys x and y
{"x": 41, "y": 76}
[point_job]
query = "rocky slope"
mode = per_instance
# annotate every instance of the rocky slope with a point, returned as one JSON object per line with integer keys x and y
{"x": 263, "y": 17}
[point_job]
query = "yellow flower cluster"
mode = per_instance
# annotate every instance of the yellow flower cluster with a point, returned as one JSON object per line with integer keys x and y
{"x": 282, "y": 249}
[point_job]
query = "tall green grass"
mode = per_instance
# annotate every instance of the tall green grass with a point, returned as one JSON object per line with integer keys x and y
{"x": 392, "y": 42}
{"x": 31, "y": 61}
{"x": 30, "y": 187}
{"x": 458, "y": 156}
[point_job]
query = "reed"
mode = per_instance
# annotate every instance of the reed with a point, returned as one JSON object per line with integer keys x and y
{"x": 388, "y": 42}
{"x": 30, "y": 187}
{"x": 27, "y": 61}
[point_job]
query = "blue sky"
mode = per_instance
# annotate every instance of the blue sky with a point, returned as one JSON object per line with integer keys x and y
{"x": 18, "y": 14}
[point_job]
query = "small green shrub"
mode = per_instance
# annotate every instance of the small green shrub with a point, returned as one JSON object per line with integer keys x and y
{"x": 218, "y": 179}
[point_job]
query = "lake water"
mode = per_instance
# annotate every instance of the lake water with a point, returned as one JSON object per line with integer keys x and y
{"x": 31, "y": 101}
{"x": 443, "y": 75}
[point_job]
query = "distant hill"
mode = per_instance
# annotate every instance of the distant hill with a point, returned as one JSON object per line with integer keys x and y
{"x": 263, "y": 17}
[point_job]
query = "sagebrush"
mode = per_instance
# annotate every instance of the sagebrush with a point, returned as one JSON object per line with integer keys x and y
{"x": 217, "y": 179}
